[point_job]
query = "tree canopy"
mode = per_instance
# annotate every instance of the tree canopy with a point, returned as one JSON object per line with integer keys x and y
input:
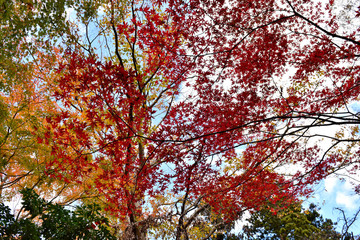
{"x": 290, "y": 223}
{"x": 177, "y": 116}
{"x": 45, "y": 220}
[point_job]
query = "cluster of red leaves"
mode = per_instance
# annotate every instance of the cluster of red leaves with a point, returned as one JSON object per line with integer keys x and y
{"x": 235, "y": 57}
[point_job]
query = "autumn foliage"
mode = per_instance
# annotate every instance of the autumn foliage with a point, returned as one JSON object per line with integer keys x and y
{"x": 187, "y": 109}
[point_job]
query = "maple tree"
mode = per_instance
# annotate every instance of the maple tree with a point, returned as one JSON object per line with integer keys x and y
{"x": 23, "y": 156}
{"x": 19, "y": 117}
{"x": 30, "y": 30}
{"x": 22, "y": 22}
{"x": 187, "y": 113}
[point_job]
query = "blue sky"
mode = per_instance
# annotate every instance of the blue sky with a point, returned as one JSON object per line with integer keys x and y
{"x": 333, "y": 193}
{"x": 330, "y": 194}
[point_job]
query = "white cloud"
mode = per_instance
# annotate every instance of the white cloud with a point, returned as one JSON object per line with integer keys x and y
{"x": 349, "y": 201}
{"x": 239, "y": 224}
{"x": 348, "y": 186}
{"x": 14, "y": 204}
{"x": 355, "y": 107}
{"x": 330, "y": 184}
{"x": 70, "y": 14}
